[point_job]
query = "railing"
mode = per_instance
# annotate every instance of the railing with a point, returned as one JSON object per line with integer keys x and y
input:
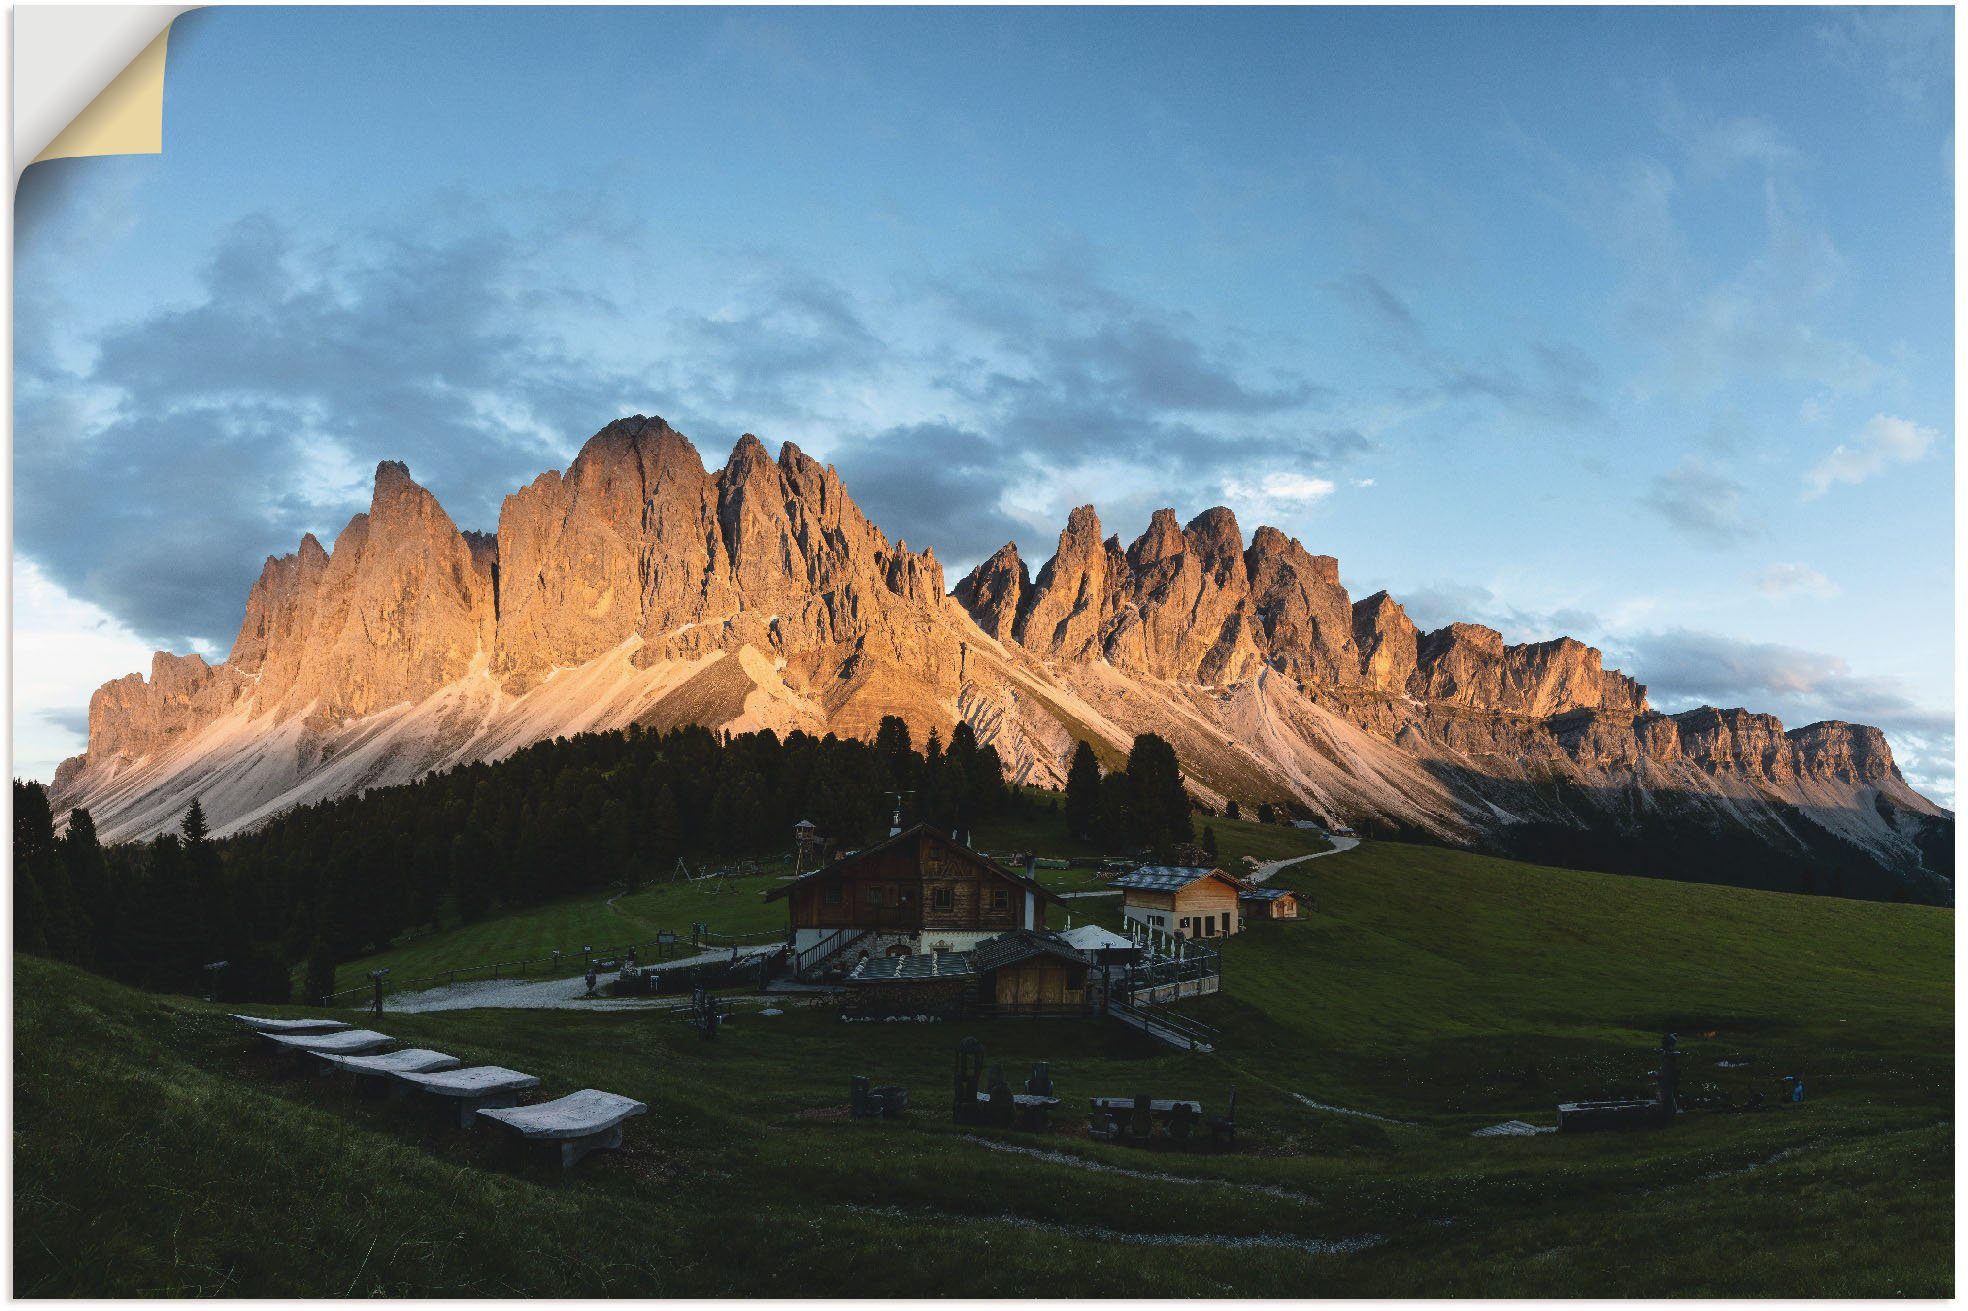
{"x": 831, "y": 945}
{"x": 1163, "y": 1023}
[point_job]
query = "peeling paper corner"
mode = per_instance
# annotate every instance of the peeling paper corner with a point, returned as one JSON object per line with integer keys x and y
{"x": 89, "y": 80}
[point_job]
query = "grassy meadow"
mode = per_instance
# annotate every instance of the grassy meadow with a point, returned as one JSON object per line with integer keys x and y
{"x": 736, "y": 905}
{"x": 1424, "y": 993}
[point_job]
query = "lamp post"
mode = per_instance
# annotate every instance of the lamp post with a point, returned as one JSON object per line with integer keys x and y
{"x": 376, "y": 977}
{"x": 212, "y": 990}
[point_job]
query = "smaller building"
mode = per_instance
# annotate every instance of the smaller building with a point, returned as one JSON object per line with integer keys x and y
{"x": 1186, "y": 901}
{"x": 1262, "y": 903}
{"x": 1024, "y": 972}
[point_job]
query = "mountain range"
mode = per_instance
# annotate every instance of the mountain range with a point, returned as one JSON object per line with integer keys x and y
{"x": 641, "y": 587}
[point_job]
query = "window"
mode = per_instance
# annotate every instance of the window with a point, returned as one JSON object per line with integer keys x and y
{"x": 1000, "y": 899}
{"x": 830, "y": 896}
{"x": 942, "y": 898}
{"x": 874, "y": 895}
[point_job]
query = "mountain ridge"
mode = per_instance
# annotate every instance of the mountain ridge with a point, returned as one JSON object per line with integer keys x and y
{"x": 641, "y": 586}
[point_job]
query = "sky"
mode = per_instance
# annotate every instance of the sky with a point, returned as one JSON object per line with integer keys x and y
{"x": 1629, "y": 324}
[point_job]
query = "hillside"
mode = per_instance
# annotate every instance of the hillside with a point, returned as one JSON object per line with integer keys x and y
{"x": 641, "y": 587}
{"x": 156, "y": 1153}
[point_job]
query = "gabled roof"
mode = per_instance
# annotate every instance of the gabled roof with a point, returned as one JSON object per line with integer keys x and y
{"x": 1170, "y": 878}
{"x": 909, "y": 835}
{"x": 1021, "y": 944}
{"x": 1263, "y": 894}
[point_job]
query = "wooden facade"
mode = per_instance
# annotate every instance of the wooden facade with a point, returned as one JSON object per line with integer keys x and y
{"x": 918, "y": 884}
{"x": 1204, "y": 906}
{"x": 1040, "y": 983}
{"x": 1275, "y": 904}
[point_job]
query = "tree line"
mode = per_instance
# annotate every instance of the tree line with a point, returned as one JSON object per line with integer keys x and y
{"x": 340, "y": 879}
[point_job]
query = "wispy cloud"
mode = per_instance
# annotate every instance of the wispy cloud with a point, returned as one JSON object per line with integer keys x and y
{"x": 1883, "y": 442}
{"x": 1897, "y": 52}
{"x": 1793, "y": 579}
{"x": 1702, "y": 503}
{"x": 1684, "y": 668}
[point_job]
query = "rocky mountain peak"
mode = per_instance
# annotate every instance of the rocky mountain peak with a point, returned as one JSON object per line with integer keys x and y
{"x": 642, "y": 587}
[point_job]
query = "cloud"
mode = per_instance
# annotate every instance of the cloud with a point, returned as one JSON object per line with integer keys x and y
{"x": 1680, "y": 665}
{"x": 1556, "y": 390}
{"x": 1277, "y": 494}
{"x": 1435, "y": 605}
{"x": 1792, "y": 579}
{"x": 1706, "y": 328}
{"x": 1883, "y": 441}
{"x": 1899, "y": 53}
{"x": 64, "y": 649}
{"x": 1683, "y": 669}
{"x": 203, "y": 436}
{"x": 1702, "y": 503}
{"x": 935, "y": 484}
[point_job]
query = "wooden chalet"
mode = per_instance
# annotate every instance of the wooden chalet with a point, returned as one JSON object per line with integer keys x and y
{"x": 1187, "y": 901}
{"x": 920, "y": 892}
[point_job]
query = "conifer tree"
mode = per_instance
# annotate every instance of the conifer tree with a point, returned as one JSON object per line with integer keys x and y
{"x": 1159, "y": 804}
{"x": 1083, "y": 792}
{"x": 193, "y": 825}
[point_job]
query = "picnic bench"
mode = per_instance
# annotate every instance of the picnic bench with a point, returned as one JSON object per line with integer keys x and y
{"x": 1032, "y": 1108}
{"x": 1136, "y": 1117}
{"x": 372, "y": 1073}
{"x": 475, "y": 1088}
{"x": 578, "y": 1123}
{"x": 266, "y": 1024}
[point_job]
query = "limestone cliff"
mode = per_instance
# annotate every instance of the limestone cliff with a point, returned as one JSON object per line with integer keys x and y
{"x": 639, "y": 586}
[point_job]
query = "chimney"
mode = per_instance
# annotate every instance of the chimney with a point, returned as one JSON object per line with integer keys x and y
{"x": 1031, "y": 865}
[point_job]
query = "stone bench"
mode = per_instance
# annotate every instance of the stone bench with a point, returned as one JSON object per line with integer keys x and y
{"x": 320, "y": 1046}
{"x": 372, "y": 1073}
{"x": 263, "y": 1024}
{"x": 475, "y": 1088}
{"x": 578, "y": 1123}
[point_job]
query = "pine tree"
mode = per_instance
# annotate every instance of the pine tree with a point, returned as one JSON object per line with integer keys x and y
{"x": 1209, "y": 841}
{"x": 1083, "y": 792}
{"x": 88, "y": 872}
{"x": 1230, "y": 808}
{"x": 193, "y": 826}
{"x": 1159, "y": 804}
{"x": 320, "y": 973}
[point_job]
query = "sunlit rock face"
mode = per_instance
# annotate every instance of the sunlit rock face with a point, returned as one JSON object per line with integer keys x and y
{"x": 640, "y": 586}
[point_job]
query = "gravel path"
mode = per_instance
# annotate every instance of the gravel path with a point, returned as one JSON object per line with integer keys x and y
{"x": 1265, "y": 870}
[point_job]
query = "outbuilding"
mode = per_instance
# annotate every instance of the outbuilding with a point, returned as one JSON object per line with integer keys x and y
{"x": 1264, "y": 903}
{"x": 1187, "y": 901}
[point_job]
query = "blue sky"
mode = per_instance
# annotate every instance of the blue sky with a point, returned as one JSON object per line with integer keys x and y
{"x": 1630, "y": 324}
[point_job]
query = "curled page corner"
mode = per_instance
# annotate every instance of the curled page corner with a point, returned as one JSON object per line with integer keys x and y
{"x": 89, "y": 80}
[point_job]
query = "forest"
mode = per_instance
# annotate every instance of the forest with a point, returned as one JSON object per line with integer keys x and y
{"x": 344, "y": 878}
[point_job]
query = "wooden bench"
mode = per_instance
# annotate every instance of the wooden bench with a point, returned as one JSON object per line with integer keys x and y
{"x": 372, "y": 1073}
{"x": 263, "y": 1024}
{"x": 578, "y": 1123}
{"x": 320, "y": 1046}
{"x": 474, "y": 1088}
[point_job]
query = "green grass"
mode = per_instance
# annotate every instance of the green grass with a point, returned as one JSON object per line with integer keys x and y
{"x": 738, "y": 905}
{"x": 157, "y": 1152}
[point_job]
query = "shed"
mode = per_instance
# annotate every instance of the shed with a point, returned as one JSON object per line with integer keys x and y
{"x": 1262, "y": 903}
{"x": 1030, "y": 972}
